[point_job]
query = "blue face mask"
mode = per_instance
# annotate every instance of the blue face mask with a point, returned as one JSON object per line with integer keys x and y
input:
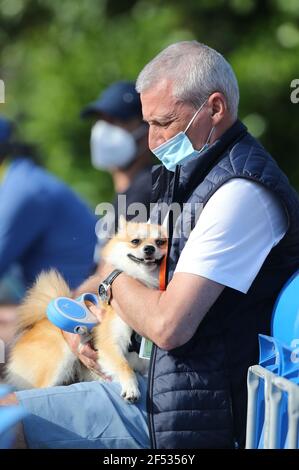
{"x": 179, "y": 148}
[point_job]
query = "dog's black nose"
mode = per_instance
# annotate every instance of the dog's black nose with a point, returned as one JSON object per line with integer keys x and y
{"x": 149, "y": 249}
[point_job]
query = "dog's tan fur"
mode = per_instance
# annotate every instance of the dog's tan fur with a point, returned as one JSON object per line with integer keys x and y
{"x": 41, "y": 357}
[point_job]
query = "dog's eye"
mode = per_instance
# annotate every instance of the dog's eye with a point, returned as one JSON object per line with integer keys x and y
{"x": 160, "y": 242}
{"x": 135, "y": 242}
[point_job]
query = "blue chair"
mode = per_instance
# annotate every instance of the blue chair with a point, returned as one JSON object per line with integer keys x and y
{"x": 285, "y": 318}
{"x": 285, "y": 329}
{"x": 9, "y": 416}
{"x": 278, "y": 355}
{"x": 270, "y": 360}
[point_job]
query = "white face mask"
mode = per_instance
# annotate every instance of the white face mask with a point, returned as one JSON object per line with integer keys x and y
{"x": 113, "y": 147}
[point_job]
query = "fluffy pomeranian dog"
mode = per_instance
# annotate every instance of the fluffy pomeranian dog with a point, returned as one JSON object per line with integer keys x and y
{"x": 40, "y": 356}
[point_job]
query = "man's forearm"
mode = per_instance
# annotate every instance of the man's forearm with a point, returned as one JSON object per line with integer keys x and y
{"x": 140, "y": 309}
{"x": 169, "y": 318}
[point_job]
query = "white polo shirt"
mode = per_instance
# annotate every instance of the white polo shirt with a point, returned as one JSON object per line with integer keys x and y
{"x": 235, "y": 232}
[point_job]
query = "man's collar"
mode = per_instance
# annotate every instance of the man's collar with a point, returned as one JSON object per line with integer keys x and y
{"x": 191, "y": 173}
{"x": 198, "y": 167}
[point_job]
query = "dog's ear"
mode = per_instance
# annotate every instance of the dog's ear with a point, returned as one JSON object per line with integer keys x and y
{"x": 122, "y": 224}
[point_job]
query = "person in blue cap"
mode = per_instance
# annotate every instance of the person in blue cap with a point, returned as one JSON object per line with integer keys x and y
{"x": 118, "y": 141}
{"x": 43, "y": 224}
{"x": 119, "y": 145}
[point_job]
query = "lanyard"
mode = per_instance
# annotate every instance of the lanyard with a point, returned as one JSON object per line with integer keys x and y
{"x": 162, "y": 274}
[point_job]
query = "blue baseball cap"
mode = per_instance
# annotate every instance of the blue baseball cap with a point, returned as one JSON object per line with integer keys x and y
{"x": 120, "y": 100}
{"x": 6, "y": 128}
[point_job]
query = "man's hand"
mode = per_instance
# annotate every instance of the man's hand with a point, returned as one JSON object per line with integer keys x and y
{"x": 85, "y": 353}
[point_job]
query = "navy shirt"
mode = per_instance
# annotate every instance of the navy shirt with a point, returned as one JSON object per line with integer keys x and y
{"x": 43, "y": 225}
{"x": 139, "y": 191}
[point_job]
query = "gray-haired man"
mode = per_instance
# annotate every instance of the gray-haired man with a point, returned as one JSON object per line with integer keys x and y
{"x": 222, "y": 279}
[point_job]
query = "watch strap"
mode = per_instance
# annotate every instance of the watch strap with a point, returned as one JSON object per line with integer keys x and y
{"x": 108, "y": 282}
{"x": 112, "y": 276}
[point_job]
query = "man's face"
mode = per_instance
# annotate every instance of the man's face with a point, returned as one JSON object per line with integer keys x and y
{"x": 167, "y": 116}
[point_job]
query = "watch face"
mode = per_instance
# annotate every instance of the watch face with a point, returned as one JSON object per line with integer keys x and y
{"x": 102, "y": 292}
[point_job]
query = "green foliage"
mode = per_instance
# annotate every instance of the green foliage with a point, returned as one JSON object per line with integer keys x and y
{"x": 57, "y": 55}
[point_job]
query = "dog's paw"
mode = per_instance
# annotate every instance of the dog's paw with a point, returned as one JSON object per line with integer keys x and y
{"x": 130, "y": 392}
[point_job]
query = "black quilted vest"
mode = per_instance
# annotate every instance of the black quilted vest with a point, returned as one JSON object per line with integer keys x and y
{"x": 197, "y": 394}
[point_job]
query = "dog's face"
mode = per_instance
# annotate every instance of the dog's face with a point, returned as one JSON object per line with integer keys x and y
{"x": 137, "y": 246}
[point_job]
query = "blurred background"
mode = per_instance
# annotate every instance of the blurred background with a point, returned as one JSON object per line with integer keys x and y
{"x": 57, "y": 55}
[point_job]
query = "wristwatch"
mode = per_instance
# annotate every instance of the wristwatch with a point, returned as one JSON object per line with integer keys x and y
{"x": 105, "y": 292}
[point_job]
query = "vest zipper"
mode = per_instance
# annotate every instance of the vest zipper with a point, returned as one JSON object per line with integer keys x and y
{"x": 151, "y": 427}
{"x": 150, "y": 398}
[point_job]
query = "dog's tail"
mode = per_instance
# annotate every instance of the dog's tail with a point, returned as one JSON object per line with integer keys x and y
{"x": 48, "y": 286}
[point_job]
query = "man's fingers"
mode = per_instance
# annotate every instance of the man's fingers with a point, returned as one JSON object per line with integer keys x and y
{"x": 72, "y": 340}
{"x": 79, "y": 348}
{"x": 93, "y": 366}
{"x": 90, "y": 363}
{"x": 97, "y": 311}
{"x": 85, "y": 354}
{"x": 86, "y": 350}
